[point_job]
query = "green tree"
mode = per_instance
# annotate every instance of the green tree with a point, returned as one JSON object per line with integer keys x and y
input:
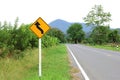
{"x": 97, "y": 17}
{"x": 100, "y": 34}
{"x": 114, "y": 36}
{"x": 48, "y": 41}
{"x": 75, "y": 32}
{"x": 16, "y": 23}
{"x": 118, "y": 29}
{"x": 4, "y": 38}
{"x": 55, "y": 32}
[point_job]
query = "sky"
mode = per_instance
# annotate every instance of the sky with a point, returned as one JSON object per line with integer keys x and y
{"x": 70, "y": 10}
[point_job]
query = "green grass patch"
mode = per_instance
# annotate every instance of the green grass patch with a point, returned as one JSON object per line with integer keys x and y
{"x": 55, "y": 65}
{"x": 107, "y": 47}
{"x": 11, "y": 69}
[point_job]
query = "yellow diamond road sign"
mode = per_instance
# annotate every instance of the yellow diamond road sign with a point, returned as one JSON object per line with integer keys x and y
{"x": 39, "y": 27}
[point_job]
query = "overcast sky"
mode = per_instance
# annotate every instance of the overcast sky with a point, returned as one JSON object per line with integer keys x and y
{"x": 70, "y": 10}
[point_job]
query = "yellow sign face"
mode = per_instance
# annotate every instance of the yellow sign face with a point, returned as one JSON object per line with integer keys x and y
{"x": 39, "y": 27}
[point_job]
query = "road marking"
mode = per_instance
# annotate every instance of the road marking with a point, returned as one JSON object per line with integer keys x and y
{"x": 79, "y": 66}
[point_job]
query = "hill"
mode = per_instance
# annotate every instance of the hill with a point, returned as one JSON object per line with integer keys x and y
{"x": 60, "y": 24}
{"x": 64, "y": 25}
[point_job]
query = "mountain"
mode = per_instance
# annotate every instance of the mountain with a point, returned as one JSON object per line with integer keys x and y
{"x": 60, "y": 24}
{"x": 64, "y": 25}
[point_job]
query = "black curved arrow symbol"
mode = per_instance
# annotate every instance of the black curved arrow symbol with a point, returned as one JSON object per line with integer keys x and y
{"x": 37, "y": 25}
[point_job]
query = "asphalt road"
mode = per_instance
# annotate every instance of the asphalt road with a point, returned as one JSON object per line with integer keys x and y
{"x": 98, "y": 64}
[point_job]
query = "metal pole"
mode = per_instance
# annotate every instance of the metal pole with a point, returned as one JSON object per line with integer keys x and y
{"x": 40, "y": 72}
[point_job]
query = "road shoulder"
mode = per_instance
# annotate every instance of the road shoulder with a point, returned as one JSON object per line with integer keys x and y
{"x": 75, "y": 72}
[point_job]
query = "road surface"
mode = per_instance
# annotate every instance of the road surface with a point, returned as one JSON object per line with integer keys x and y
{"x": 98, "y": 64}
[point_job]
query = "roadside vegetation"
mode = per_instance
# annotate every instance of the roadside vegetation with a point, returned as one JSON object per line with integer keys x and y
{"x": 19, "y": 54}
{"x": 55, "y": 65}
{"x": 101, "y": 34}
{"x": 106, "y": 46}
{"x": 15, "y": 39}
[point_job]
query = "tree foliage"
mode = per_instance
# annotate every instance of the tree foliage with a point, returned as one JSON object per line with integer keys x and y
{"x": 114, "y": 36}
{"x": 48, "y": 41}
{"x": 55, "y": 32}
{"x": 100, "y": 34}
{"x": 15, "y": 39}
{"x": 98, "y": 17}
{"x": 75, "y": 33}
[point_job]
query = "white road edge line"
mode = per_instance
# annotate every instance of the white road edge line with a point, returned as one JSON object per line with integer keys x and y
{"x": 80, "y": 67}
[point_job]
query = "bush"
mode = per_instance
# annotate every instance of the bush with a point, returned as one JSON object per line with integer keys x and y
{"x": 48, "y": 41}
{"x": 14, "y": 40}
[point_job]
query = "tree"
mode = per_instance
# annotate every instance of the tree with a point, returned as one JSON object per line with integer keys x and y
{"x": 100, "y": 34}
{"x": 97, "y": 17}
{"x": 75, "y": 32}
{"x": 16, "y": 23}
{"x": 114, "y": 36}
{"x": 48, "y": 41}
{"x": 55, "y": 32}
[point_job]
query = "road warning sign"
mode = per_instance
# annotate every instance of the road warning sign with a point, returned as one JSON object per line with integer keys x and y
{"x": 39, "y": 27}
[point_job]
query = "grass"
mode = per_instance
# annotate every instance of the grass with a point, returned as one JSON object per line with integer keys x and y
{"x": 55, "y": 65}
{"x": 11, "y": 69}
{"x": 107, "y": 47}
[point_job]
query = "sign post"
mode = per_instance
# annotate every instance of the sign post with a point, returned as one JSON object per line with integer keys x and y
{"x": 39, "y": 27}
{"x": 40, "y": 58}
